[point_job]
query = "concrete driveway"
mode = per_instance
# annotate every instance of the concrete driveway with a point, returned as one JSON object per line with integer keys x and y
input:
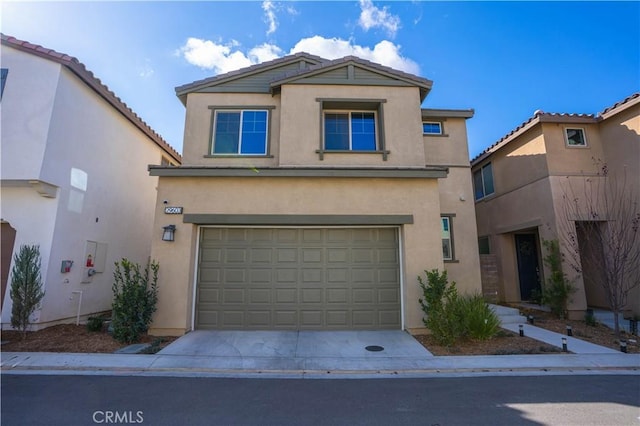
{"x": 298, "y": 344}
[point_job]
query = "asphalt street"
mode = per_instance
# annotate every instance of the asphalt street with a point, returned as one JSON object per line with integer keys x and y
{"x": 550, "y": 400}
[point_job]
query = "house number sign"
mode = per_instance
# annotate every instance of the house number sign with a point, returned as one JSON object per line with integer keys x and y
{"x": 173, "y": 210}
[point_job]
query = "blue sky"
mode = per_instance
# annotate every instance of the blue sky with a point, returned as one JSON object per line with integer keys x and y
{"x": 503, "y": 59}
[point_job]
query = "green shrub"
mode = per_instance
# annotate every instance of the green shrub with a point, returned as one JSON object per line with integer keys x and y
{"x": 558, "y": 290}
{"x": 135, "y": 294}
{"x": 95, "y": 323}
{"x": 26, "y": 286}
{"x": 449, "y": 316}
{"x": 480, "y": 322}
{"x": 442, "y": 313}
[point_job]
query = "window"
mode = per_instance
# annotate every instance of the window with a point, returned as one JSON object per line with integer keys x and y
{"x": 3, "y": 75}
{"x": 447, "y": 240}
{"x": 483, "y": 182}
{"x": 484, "y": 247}
{"x": 431, "y": 128}
{"x": 350, "y": 131}
{"x": 239, "y": 132}
{"x": 575, "y": 137}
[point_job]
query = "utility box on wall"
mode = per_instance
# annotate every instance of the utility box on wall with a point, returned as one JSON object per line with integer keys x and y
{"x": 94, "y": 261}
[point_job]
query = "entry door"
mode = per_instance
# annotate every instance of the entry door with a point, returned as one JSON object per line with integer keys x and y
{"x": 528, "y": 265}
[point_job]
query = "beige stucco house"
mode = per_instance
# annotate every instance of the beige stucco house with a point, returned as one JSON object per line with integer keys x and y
{"x": 73, "y": 178}
{"x": 312, "y": 194}
{"x": 522, "y": 182}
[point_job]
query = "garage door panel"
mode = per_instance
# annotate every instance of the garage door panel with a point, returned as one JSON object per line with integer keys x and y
{"x": 307, "y": 278}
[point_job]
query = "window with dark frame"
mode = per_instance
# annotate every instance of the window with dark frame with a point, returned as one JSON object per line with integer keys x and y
{"x": 240, "y": 132}
{"x": 3, "y": 75}
{"x": 483, "y": 181}
{"x": 484, "y": 246}
{"x": 447, "y": 238}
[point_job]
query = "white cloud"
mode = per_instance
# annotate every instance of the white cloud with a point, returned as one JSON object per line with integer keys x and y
{"x": 385, "y": 52}
{"x": 222, "y": 58}
{"x": 372, "y": 17}
{"x": 270, "y": 16}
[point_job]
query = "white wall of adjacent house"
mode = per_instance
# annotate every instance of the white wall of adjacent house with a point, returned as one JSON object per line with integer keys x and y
{"x": 105, "y": 199}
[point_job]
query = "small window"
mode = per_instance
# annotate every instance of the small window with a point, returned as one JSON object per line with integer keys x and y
{"x": 575, "y": 137}
{"x": 483, "y": 245}
{"x": 431, "y": 128}
{"x": 240, "y": 132}
{"x": 350, "y": 131}
{"x": 483, "y": 181}
{"x": 447, "y": 240}
{"x": 3, "y": 76}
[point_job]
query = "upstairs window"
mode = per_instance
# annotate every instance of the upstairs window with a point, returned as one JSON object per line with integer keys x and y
{"x": 575, "y": 137}
{"x": 239, "y": 132}
{"x": 3, "y": 75}
{"x": 431, "y": 128}
{"x": 350, "y": 131}
{"x": 483, "y": 181}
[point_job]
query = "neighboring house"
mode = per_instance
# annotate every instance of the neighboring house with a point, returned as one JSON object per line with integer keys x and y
{"x": 519, "y": 186}
{"x": 312, "y": 195}
{"x": 74, "y": 180}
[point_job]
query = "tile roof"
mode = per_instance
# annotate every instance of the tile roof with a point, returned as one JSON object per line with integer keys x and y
{"x": 79, "y": 69}
{"x": 545, "y": 117}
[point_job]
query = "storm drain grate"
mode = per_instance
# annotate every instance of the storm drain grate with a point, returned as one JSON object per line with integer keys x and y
{"x": 374, "y": 348}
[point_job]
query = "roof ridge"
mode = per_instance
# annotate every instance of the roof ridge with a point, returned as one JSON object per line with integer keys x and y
{"x": 89, "y": 77}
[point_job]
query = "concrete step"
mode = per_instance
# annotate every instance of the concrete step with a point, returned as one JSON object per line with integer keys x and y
{"x": 508, "y": 315}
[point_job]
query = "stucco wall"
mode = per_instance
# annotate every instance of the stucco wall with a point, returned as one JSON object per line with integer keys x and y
{"x": 421, "y": 240}
{"x": 301, "y": 126}
{"x": 98, "y": 160}
{"x": 27, "y": 105}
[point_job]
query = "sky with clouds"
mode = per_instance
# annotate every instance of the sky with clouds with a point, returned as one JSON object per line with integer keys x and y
{"x": 503, "y": 59}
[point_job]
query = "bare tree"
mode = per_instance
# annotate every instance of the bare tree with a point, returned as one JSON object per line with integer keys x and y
{"x": 601, "y": 229}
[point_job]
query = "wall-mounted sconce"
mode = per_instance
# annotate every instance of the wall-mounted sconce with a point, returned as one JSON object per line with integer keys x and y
{"x": 168, "y": 232}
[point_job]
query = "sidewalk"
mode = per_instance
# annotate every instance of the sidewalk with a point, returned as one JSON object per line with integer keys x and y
{"x": 586, "y": 358}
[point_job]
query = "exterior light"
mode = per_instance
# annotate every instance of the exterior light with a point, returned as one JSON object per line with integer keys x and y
{"x": 623, "y": 346}
{"x": 521, "y": 329}
{"x": 168, "y": 232}
{"x": 530, "y": 319}
{"x": 569, "y": 331}
{"x": 564, "y": 344}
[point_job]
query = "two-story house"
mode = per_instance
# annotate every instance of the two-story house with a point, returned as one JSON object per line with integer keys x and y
{"x": 522, "y": 184}
{"x": 74, "y": 180}
{"x": 311, "y": 196}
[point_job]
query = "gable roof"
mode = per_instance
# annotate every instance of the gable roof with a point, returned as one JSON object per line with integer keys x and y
{"x": 545, "y": 117}
{"x": 423, "y": 83}
{"x": 310, "y": 66}
{"x": 79, "y": 69}
{"x": 302, "y": 58}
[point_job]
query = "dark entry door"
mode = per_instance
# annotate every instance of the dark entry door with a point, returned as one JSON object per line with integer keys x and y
{"x": 528, "y": 265}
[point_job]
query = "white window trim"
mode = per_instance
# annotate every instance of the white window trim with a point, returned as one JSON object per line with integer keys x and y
{"x": 566, "y": 137}
{"x": 440, "y": 133}
{"x": 349, "y": 112}
{"x": 239, "y": 153}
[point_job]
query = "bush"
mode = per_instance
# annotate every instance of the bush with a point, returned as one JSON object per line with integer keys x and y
{"x": 135, "y": 295}
{"x": 480, "y": 322}
{"x": 95, "y": 323}
{"x": 26, "y": 287}
{"x": 442, "y": 314}
{"x": 450, "y": 317}
{"x": 558, "y": 290}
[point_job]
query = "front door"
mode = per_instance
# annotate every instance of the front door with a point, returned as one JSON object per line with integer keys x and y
{"x": 528, "y": 266}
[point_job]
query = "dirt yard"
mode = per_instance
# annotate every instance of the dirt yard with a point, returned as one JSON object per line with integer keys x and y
{"x": 73, "y": 338}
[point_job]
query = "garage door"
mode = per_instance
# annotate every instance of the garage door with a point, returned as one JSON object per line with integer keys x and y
{"x": 298, "y": 279}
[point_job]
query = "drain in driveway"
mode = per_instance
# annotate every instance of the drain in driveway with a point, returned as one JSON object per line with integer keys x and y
{"x": 374, "y": 348}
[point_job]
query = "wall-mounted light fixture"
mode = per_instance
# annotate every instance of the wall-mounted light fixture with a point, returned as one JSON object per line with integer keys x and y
{"x": 168, "y": 232}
